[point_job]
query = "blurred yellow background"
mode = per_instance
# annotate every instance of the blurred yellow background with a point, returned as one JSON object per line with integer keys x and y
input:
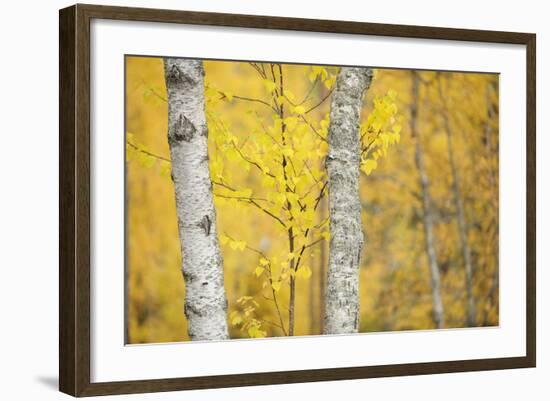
{"x": 395, "y": 289}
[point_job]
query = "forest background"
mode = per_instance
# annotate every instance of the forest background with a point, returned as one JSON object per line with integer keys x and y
{"x": 460, "y": 110}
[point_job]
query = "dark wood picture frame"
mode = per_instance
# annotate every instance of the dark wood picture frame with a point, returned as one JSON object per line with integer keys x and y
{"x": 74, "y": 199}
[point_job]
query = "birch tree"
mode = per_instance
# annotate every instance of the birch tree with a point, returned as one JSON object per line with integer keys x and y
{"x": 491, "y": 155}
{"x": 343, "y": 163}
{"x": 427, "y": 217}
{"x": 205, "y": 300}
{"x": 461, "y": 217}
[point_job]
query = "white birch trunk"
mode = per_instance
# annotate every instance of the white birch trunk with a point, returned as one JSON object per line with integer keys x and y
{"x": 346, "y": 241}
{"x": 435, "y": 279}
{"x": 205, "y": 301}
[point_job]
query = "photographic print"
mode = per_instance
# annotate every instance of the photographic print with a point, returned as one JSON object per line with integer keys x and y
{"x": 229, "y": 181}
{"x": 267, "y": 199}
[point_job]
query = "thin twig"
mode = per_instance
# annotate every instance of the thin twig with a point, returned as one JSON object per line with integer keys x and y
{"x": 153, "y": 91}
{"x": 320, "y": 102}
{"x": 245, "y": 198}
{"x": 253, "y": 202}
{"x": 310, "y": 91}
{"x": 248, "y": 99}
{"x": 313, "y": 128}
{"x": 147, "y": 152}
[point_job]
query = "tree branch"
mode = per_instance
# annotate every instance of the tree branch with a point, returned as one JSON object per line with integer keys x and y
{"x": 147, "y": 152}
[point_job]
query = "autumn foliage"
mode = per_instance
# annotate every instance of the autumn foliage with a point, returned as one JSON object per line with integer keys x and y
{"x": 268, "y": 127}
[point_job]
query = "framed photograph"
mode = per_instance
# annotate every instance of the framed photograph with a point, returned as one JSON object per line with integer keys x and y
{"x": 250, "y": 200}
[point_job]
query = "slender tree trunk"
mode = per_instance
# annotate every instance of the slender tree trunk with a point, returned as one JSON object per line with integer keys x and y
{"x": 205, "y": 301}
{"x": 346, "y": 242}
{"x": 311, "y": 301}
{"x": 290, "y": 232}
{"x": 322, "y": 270}
{"x": 437, "y": 302}
{"x": 471, "y": 314}
{"x": 127, "y": 339}
{"x": 317, "y": 282}
{"x": 491, "y": 150}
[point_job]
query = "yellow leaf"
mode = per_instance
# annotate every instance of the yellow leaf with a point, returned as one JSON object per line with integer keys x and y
{"x": 268, "y": 182}
{"x": 259, "y": 271}
{"x": 323, "y": 148}
{"x": 232, "y": 154}
{"x": 238, "y": 245}
{"x": 276, "y": 285}
{"x": 317, "y": 69}
{"x": 288, "y": 152}
{"x": 243, "y": 299}
{"x": 290, "y": 123}
{"x": 281, "y": 198}
{"x": 309, "y": 217}
{"x": 330, "y": 82}
{"x": 269, "y": 85}
{"x": 246, "y": 193}
{"x": 264, "y": 262}
{"x": 165, "y": 169}
{"x": 255, "y": 332}
{"x": 299, "y": 110}
{"x": 368, "y": 166}
{"x": 304, "y": 272}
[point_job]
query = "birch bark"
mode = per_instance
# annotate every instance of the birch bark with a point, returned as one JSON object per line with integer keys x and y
{"x": 435, "y": 279}
{"x": 202, "y": 267}
{"x": 346, "y": 242}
